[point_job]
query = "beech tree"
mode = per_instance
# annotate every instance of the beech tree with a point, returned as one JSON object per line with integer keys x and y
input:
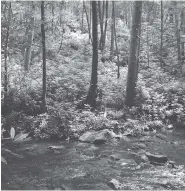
{"x": 92, "y": 93}
{"x": 43, "y": 58}
{"x": 132, "y": 66}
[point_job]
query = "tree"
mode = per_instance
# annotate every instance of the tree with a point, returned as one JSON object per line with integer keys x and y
{"x": 112, "y": 31}
{"x": 43, "y": 58}
{"x": 29, "y": 34}
{"x": 92, "y": 93}
{"x": 177, "y": 34}
{"x": 6, "y": 55}
{"x": 132, "y": 67}
{"x": 88, "y": 22}
{"x": 105, "y": 29}
{"x": 161, "y": 47}
{"x": 117, "y": 51}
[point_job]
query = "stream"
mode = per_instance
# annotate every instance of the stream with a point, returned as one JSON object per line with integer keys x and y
{"x": 83, "y": 166}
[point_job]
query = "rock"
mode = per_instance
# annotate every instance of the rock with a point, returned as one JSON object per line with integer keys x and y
{"x": 161, "y": 136}
{"x": 115, "y": 184}
{"x": 97, "y": 137}
{"x": 115, "y": 157}
{"x": 56, "y": 149}
{"x": 156, "y": 159}
{"x": 170, "y": 127}
{"x": 139, "y": 146}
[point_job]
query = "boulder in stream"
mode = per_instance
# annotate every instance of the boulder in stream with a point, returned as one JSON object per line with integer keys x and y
{"x": 115, "y": 184}
{"x": 156, "y": 159}
{"x": 97, "y": 137}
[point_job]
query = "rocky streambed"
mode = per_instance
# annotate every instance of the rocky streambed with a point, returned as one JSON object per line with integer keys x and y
{"x": 99, "y": 161}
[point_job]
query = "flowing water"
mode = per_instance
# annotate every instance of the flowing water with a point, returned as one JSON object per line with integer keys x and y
{"x": 86, "y": 166}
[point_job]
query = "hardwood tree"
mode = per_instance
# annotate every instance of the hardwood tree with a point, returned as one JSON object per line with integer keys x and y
{"x": 44, "y": 109}
{"x": 92, "y": 93}
{"x": 29, "y": 35}
{"x": 112, "y": 31}
{"x": 161, "y": 46}
{"x": 8, "y": 21}
{"x": 88, "y": 22}
{"x": 177, "y": 34}
{"x": 132, "y": 67}
{"x": 105, "y": 28}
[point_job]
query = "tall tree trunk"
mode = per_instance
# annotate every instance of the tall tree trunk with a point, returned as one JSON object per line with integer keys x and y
{"x": 30, "y": 33}
{"x": 90, "y": 16}
{"x": 52, "y": 10}
{"x": 100, "y": 13}
{"x": 112, "y": 32}
{"x": 147, "y": 39}
{"x": 138, "y": 52}
{"x": 83, "y": 17}
{"x": 105, "y": 29}
{"x": 6, "y": 56}
{"x": 117, "y": 51}
{"x": 92, "y": 93}
{"x": 161, "y": 47}
{"x": 183, "y": 32}
{"x": 88, "y": 23}
{"x": 44, "y": 109}
{"x": 178, "y": 35}
{"x": 132, "y": 67}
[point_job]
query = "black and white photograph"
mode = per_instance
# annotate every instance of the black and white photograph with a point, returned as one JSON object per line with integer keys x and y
{"x": 92, "y": 95}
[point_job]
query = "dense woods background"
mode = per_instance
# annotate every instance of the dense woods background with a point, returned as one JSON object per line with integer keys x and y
{"x": 58, "y": 57}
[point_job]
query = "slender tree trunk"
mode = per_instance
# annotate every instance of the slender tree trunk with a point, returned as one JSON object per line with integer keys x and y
{"x": 183, "y": 32}
{"x": 44, "y": 109}
{"x": 178, "y": 35}
{"x": 83, "y": 17}
{"x": 147, "y": 39}
{"x": 92, "y": 93}
{"x": 101, "y": 23}
{"x": 105, "y": 29}
{"x": 117, "y": 51}
{"x": 112, "y": 32}
{"x": 52, "y": 11}
{"x": 6, "y": 56}
{"x": 90, "y": 17}
{"x": 161, "y": 47}
{"x": 28, "y": 48}
{"x": 138, "y": 52}
{"x": 88, "y": 23}
{"x": 132, "y": 67}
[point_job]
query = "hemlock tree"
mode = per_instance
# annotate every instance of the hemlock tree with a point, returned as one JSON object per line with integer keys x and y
{"x": 132, "y": 67}
{"x": 92, "y": 93}
{"x": 43, "y": 58}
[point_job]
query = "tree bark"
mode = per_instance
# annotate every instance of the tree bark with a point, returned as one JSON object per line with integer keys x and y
{"x": 44, "y": 109}
{"x": 28, "y": 47}
{"x": 161, "y": 47}
{"x": 83, "y": 17}
{"x": 92, "y": 93}
{"x": 112, "y": 32}
{"x": 178, "y": 35}
{"x": 100, "y": 13}
{"x": 88, "y": 23}
{"x": 132, "y": 67}
{"x": 105, "y": 29}
{"x": 138, "y": 52}
{"x": 6, "y": 56}
{"x": 117, "y": 51}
